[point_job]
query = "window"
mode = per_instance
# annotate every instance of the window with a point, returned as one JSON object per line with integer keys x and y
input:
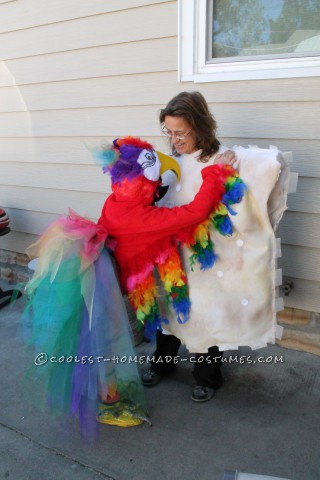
{"x": 248, "y": 39}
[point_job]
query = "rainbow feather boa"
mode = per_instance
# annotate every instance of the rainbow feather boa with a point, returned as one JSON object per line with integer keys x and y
{"x": 201, "y": 245}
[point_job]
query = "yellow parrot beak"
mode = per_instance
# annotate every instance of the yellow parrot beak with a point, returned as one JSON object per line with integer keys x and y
{"x": 168, "y": 163}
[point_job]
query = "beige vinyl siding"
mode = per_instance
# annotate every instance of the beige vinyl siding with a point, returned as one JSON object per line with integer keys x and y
{"x": 33, "y": 13}
{"x": 301, "y": 262}
{"x": 53, "y": 200}
{"x": 74, "y": 73}
{"x": 84, "y": 178}
{"x": 121, "y": 59}
{"x": 300, "y": 229}
{"x": 68, "y": 78}
{"x": 57, "y": 150}
{"x": 29, "y": 221}
{"x": 304, "y": 295}
{"x": 307, "y": 198}
{"x": 94, "y": 31}
{"x": 111, "y": 60}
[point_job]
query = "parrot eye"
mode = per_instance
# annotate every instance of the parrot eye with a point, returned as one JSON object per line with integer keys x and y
{"x": 150, "y": 160}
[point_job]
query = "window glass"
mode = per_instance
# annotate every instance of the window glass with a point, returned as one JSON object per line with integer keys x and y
{"x": 243, "y": 29}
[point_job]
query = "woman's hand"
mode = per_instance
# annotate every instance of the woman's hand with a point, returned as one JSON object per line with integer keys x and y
{"x": 226, "y": 158}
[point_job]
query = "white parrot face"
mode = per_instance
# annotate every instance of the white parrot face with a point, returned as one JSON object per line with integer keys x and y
{"x": 150, "y": 163}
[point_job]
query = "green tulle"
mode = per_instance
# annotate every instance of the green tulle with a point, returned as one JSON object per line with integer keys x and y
{"x": 55, "y": 311}
{"x": 57, "y": 323}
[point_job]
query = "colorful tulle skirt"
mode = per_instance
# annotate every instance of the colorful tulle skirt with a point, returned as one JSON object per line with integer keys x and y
{"x": 84, "y": 365}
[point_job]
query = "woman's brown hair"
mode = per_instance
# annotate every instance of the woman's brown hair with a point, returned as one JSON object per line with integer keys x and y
{"x": 193, "y": 107}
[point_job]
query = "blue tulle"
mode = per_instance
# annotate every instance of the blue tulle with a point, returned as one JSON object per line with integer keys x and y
{"x": 97, "y": 349}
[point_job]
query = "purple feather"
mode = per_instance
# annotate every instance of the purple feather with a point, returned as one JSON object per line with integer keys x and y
{"x": 127, "y": 166}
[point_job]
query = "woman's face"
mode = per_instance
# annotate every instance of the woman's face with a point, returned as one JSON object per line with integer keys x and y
{"x": 179, "y": 127}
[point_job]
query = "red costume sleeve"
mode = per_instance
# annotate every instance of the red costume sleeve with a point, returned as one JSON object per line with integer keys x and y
{"x": 130, "y": 217}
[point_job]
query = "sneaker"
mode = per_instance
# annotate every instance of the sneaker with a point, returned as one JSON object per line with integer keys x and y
{"x": 202, "y": 394}
{"x": 150, "y": 378}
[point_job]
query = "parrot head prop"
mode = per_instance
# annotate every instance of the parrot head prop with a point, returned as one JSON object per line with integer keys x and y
{"x": 135, "y": 168}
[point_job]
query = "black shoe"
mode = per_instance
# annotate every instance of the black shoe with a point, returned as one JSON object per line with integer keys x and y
{"x": 202, "y": 394}
{"x": 150, "y": 378}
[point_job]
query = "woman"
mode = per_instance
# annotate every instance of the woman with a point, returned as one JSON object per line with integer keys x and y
{"x": 191, "y": 128}
{"x": 234, "y": 303}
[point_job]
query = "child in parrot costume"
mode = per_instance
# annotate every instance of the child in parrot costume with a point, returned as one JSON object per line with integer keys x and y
{"x": 75, "y": 307}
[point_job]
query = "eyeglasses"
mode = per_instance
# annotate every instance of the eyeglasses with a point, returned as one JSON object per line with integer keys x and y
{"x": 179, "y": 136}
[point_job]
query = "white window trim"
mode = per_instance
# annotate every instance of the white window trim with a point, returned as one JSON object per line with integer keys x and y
{"x": 192, "y": 64}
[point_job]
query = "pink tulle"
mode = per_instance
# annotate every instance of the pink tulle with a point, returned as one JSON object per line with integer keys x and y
{"x": 93, "y": 235}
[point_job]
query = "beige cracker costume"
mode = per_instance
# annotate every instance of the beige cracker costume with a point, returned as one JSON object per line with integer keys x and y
{"x": 234, "y": 303}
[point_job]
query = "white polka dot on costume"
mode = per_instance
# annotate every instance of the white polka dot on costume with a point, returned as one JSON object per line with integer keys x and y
{"x": 240, "y": 242}
{"x": 219, "y": 273}
{"x": 244, "y": 302}
{"x": 178, "y": 187}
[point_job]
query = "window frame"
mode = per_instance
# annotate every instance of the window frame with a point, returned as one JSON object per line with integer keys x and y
{"x": 193, "y": 47}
